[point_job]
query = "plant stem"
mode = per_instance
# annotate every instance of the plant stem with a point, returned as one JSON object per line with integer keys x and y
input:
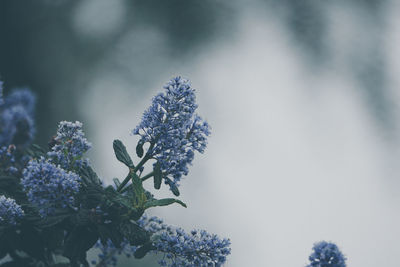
{"x": 126, "y": 188}
{"x": 124, "y": 182}
{"x": 134, "y": 170}
{"x": 147, "y": 176}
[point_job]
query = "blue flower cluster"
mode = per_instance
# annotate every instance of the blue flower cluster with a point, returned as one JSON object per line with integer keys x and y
{"x": 1, "y": 93}
{"x": 48, "y": 186}
{"x": 16, "y": 118}
{"x": 10, "y": 211}
{"x": 173, "y": 129}
{"x": 69, "y": 145}
{"x": 23, "y": 97}
{"x": 326, "y": 254}
{"x": 7, "y": 159}
{"x": 179, "y": 248}
{"x": 197, "y": 248}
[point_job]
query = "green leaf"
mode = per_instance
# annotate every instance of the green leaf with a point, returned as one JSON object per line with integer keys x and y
{"x": 38, "y": 148}
{"x": 80, "y": 240}
{"x": 173, "y": 187}
{"x": 163, "y": 202}
{"x": 116, "y": 235}
{"x": 35, "y": 151}
{"x": 142, "y": 251}
{"x": 116, "y": 182}
{"x": 92, "y": 196}
{"x": 136, "y": 235}
{"x": 139, "y": 149}
{"x": 49, "y": 221}
{"x": 138, "y": 189}
{"x": 157, "y": 175}
{"x": 121, "y": 153}
{"x": 82, "y": 217}
{"x": 61, "y": 261}
{"x": 136, "y": 214}
{"x": 53, "y": 238}
{"x": 104, "y": 233}
{"x": 175, "y": 190}
{"x": 89, "y": 176}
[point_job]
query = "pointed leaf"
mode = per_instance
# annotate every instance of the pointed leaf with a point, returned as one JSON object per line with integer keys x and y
{"x": 89, "y": 176}
{"x": 142, "y": 251}
{"x": 139, "y": 149}
{"x": 121, "y": 153}
{"x": 78, "y": 241}
{"x": 175, "y": 190}
{"x": 116, "y": 182}
{"x": 138, "y": 189}
{"x": 57, "y": 217}
{"x": 35, "y": 151}
{"x": 157, "y": 175}
{"x": 135, "y": 234}
{"x": 162, "y": 202}
{"x": 172, "y": 186}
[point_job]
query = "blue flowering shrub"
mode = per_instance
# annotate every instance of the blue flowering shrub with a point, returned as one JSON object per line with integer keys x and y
{"x": 54, "y": 208}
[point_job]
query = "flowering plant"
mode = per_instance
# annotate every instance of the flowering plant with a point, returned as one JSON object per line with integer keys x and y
{"x": 54, "y": 207}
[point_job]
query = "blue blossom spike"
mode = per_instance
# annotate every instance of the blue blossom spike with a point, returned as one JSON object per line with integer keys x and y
{"x": 48, "y": 186}
{"x": 175, "y": 131}
{"x": 17, "y": 125}
{"x": 197, "y": 248}
{"x": 70, "y": 145}
{"x": 1, "y": 93}
{"x": 10, "y": 211}
{"x": 23, "y": 97}
{"x": 326, "y": 254}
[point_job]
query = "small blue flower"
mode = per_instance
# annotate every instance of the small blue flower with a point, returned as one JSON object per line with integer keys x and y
{"x": 197, "y": 248}
{"x": 16, "y": 117}
{"x": 326, "y": 254}
{"x": 172, "y": 127}
{"x": 10, "y": 211}
{"x": 70, "y": 145}
{"x": 48, "y": 186}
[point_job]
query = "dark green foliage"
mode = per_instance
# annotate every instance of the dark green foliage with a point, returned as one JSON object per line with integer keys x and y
{"x": 157, "y": 176}
{"x": 163, "y": 202}
{"x": 134, "y": 233}
{"x": 121, "y": 153}
{"x": 42, "y": 223}
{"x": 143, "y": 250}
{"x": 62, "y": 238}
{"x": 77, "y": 242}
{"x": 173, "y": 187}
{"x": 35, "y": 151}
{"x": 139, "y": 149}
{"x": 116, "y": 182}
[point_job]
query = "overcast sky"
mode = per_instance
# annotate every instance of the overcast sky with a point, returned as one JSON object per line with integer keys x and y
{"x": 295, "y": 156}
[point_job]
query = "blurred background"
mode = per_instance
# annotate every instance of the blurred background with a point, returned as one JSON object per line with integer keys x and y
{"x": 303, "y": 97}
